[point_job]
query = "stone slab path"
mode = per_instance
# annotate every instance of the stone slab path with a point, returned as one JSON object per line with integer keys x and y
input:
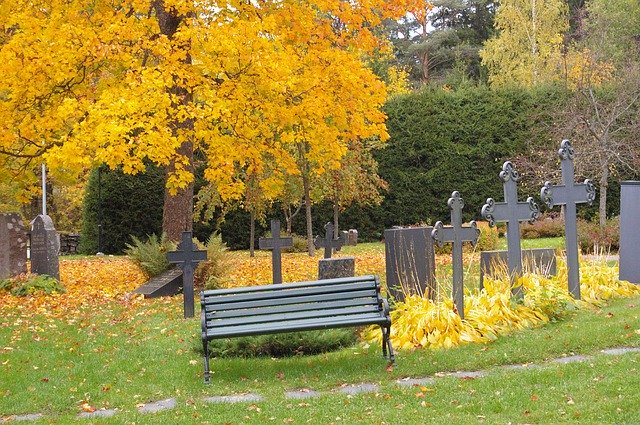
{"x": 347, "y": 389}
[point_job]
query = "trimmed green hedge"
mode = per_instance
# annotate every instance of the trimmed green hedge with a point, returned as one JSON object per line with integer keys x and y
{"x": 126, "y": 205}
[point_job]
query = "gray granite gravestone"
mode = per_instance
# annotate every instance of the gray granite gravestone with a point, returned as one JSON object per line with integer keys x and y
{"x": 511, "y": 212}
{"x": 329, "y": 243}
{"x": 630, "y": 231}
{"x": 456, "y": 234}
{"x": 330, "y": 268}
{"x": 45, "y": 245}
{"x": 165, "y": 284}
{"x": 539, "y": 260}
{"x": 569, "y": 194}
{"x": 410, "y": 262}
{"x": 352, "y": 237}
{"x": 13, "y": 246}
{"x": 187, "y": 257}
{"x": 275, "y": 243}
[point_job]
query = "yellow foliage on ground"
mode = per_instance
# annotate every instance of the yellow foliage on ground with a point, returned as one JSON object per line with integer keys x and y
{"x": 89, "y": 283}
{"x": 420, "y": 323}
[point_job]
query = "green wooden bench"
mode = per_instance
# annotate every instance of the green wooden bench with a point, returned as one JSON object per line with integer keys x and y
{"x": 290, "y": 307}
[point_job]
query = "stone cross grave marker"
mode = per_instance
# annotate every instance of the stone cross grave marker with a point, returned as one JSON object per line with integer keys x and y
{"x": 328, "y": 242}
{"x": 410, "y": 262}
{"x": 45, "y": 245}
{"x": 13, "y": 246}
{"x": 275, "y": 243}
{"x": 511, "y": 212}
{"x": 569, "y": 194}
{"x": 187, "y": 257}
{"x": 456, "y": 234}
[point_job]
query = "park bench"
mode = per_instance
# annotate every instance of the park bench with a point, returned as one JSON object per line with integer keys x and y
{"x": 291, "y": 307}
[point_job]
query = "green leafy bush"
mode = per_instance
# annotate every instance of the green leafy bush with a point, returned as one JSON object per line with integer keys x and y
{"x": 211, "y": 273}
{"x": 593, "y": 239}
{"x": 31, "y": 284}
{"x": 151, "y": 254}
{"x": 488, "y": 240}
{"x": 545, "y": 227}
{"x": 285, "y": 344}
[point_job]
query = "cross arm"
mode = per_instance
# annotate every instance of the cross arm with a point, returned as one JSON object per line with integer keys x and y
{"x": 561, "y": 195}
{"x": 442, "y": 234}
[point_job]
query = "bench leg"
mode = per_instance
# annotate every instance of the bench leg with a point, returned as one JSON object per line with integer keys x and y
{"x": 207, "y": 378}
{"x": 384, "y": 341}
{"x": 392, "y": 356}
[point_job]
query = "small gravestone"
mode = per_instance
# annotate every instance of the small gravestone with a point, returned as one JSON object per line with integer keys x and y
{"x": 538, "y": 260}
{"x": 275, "y": 244}
{"x": 330, "y": 268}
{"x": 45, "y": 246}
{"x": 13, "y": 246}
{"x": 569, "y": 194}
{"x": 456, "y": 234}
{"x": 511, "y": 212}
{"x": 187, "y": 257}
{"x": 630, "y": 231}
{"x": 165, "y": 284}
{"x": 410, "y": 262}
{"x": 352, "y": 237}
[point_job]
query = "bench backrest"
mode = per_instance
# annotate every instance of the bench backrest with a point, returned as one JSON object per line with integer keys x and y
{"x": 260, "y": 305}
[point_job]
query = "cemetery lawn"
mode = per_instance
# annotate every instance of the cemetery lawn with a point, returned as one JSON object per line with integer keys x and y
{"x": 125, "y": 352}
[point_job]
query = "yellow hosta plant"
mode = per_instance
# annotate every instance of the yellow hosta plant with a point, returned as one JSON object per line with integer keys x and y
{"x": 418, "y": 322}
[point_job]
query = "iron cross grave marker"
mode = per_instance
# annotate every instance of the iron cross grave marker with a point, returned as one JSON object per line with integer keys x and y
{"x": 456, "y": 234}
{"x": 329, "y": 242}
{"x": 511, "y": 212}
{"x": 569, "y": 194}
{"x": 187, "y": 257}
{"x": 275, "y": 243}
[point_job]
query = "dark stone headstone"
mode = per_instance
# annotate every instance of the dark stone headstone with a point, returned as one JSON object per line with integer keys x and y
{"x": 165, "y": 284}
{"x": 512, "y": 212}
{"x": 275, "y": 243}
{"x": 13, "y": 246}
{"x": 410, "y": 262}
{"x": 540, "y": 260}
{"x": 45, "y": 245}
{"x": 187, "y": 257}
{"x": 569, "y": 194}
{"x": 630, "y": 231}
{"x": 330, "y": 268}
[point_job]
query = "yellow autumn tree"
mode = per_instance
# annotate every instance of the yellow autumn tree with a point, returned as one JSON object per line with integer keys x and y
{"x": 527, "y": 47}
{"x": 124, "y": 82}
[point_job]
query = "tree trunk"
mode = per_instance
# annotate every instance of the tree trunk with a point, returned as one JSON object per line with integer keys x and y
{"x": 604, "y": 183}
{"x": 307, "y": 208}
{"x": 252, "y": 237}
{"x": 336, "y": 214}
{"x": 177, "y": 214}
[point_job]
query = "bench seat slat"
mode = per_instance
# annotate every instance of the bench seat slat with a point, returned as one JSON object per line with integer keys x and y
{"x": 274, "y": 308}
{"x": 295, "y": 285}
{"x": 284, "y": 292}
{"x": 301, "y": 325}
{"x": 293, "y": 317}
{"x": 365, "y": 294}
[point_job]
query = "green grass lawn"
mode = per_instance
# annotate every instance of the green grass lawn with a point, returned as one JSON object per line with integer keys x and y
{"x": 120, "y": 358}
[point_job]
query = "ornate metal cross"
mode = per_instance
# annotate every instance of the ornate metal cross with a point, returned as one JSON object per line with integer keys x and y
{"x": 187, "y": 257}
{"x": 569, "y": 194}
{"x": 456, "y": 234}
{"x": 511, "y": 212}
{"x": 275, "y": 243}
{"x": 328, "y": 243}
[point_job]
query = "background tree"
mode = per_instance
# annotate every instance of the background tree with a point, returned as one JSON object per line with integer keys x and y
{"x": 527, "y": 48}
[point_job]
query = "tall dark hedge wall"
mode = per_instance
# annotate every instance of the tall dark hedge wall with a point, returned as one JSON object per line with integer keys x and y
{"x": 440, "y": 142}
{"x": 125, "y": 205}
